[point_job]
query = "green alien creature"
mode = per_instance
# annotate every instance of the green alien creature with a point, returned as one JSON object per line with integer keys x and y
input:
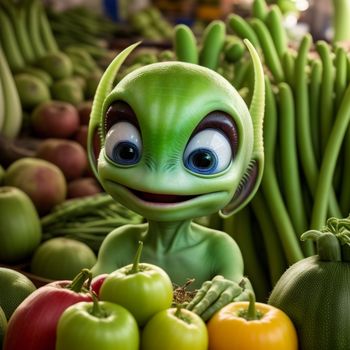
{"x": 174, "y": 141}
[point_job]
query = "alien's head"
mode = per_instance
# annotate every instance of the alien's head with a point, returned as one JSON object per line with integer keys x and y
{"x": 176, "y": 141}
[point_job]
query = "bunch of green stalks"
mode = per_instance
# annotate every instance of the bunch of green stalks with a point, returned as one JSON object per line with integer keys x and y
{"x": 87, "y": 219}
{"x": 306, "y": 134}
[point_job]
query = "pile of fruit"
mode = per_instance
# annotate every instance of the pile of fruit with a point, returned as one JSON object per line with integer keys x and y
{"x": 130, "y": 308}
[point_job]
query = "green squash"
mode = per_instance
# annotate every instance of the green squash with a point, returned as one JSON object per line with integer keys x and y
{"x": 315, "y": 291}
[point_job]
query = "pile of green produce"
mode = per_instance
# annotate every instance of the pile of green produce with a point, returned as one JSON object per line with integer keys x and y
{"x": 41, "y": 70}
{"x": 134, "y": 307}
{"x": 87, "y": 219}
{"x": 305, "y": 134}
{"x": 81, "y": 25}
{"x": 150, "y": 24}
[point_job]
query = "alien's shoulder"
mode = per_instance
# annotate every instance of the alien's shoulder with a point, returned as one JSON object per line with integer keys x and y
{"x": 126, "y": 232}
{"x": 214, "y": 235}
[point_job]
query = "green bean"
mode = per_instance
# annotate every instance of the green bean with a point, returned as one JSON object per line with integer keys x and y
{"x": 314, "y": 93}
{"x": 340, "y": 83}
{"x": 331, "y": 154}
{"x": 240, "y": 72}
{"x": 239, "y": 227}
{"x": 185, "y": 44}
{"x": 234, "y": 49}
{"x": 327, "y": 88}
{"x": 304, "y": 140}
{"x": 270, "y": 54}
{"x": 274, "y": 22}
{"x": 242, "y": 29}
{"x": 288, "y": 65}
{"x": 344, "y": 197}
{"x": 212, "y": 44}
{"x": 96, "y": 231}
{"x": 276, "y": 260}
{"x": 306, "y": 153}
{"x": 290, "y": 176}
{"x": 270, "y": 186}
{"x": 259, "y": 9}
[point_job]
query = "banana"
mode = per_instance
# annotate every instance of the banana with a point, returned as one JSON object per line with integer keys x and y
{"x": 185, "y": 44}
{"x": 9, "y": 43}
{"x": 13, "y": 110}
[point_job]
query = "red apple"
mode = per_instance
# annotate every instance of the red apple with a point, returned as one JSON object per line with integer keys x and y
{"x": 68, "y": 155}
{"x": 85, "y": 186}
{"x": 42, "y": 181}
{"x": 84, "y": 110}
{"x": 55, "y": 119}
{"x": 81, "y": 135}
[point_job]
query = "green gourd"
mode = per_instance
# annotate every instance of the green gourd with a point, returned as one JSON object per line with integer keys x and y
{"x": 315, "y": 291}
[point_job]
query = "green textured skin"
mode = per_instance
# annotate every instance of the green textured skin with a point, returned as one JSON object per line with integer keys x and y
{"x": 315, "y": 295}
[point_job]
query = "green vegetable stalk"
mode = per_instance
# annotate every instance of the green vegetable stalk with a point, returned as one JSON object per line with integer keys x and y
{"x": 341, "y": 14}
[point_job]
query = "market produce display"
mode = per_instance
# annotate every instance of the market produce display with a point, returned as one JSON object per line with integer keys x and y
{"x": 69, "y": 229}
{"x": 305, "y": 137}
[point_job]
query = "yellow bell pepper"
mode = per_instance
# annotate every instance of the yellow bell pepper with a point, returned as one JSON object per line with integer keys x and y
{"x": 249, "y": 325}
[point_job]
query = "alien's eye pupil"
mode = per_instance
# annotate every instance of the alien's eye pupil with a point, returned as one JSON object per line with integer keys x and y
{"x": 203, "y": 159}
{"x": 125, "y": 152}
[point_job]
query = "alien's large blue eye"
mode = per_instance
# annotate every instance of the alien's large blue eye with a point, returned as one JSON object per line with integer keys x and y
{"x": 208, "y": 152}
{"x": 123, "y": 144}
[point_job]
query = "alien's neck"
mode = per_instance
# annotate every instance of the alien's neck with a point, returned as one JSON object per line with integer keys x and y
{"x": 168, "y": 236}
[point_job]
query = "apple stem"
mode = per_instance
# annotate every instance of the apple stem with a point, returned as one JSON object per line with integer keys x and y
{"x": 180, "y": 314}
{"x": 97, "y": 310}
{"x": 78, "y": 282}
{"x": 135, "y": 266}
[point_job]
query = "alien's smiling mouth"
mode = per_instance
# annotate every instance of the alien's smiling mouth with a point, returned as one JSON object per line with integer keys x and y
{"x": 160, "y": 198}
